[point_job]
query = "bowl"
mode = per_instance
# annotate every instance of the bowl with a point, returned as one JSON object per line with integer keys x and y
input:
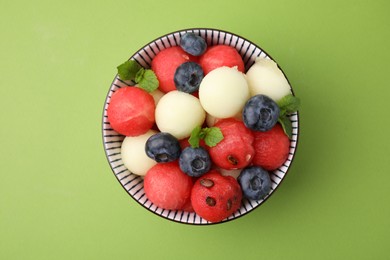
{"x": 133, "y": 184}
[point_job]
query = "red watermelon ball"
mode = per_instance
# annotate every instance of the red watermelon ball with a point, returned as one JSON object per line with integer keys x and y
{"x": 168, "y": 187}
{"x": 271, "y": 148}
{"x": 215, "y": 197}
{"x": 131, "y": 111}
{"x": 219, "y": 56}
{"x": 235, "y": 151}
{"x": 165, "y": 63}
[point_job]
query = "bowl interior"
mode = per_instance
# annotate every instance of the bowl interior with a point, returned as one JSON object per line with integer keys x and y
{"x": 133, "y": 184}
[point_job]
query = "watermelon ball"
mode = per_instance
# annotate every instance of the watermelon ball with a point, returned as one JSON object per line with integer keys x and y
{"x": 235, "y": 151}
{"x": 165, "y": 63}
{"x": 219, "y": 56}
{"x": 131, "y": 111}
{"x": 187, "y": 206}
{"x": 184, "y": 143}
{"x": 272, "y": 148}
{"x": 167, "y": 186}
{"x": 215, "y": 197}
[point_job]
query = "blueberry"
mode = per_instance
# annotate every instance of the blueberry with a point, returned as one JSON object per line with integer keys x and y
{"x": 255, "y": 182}
{"x": 195, "y": 161}
{"x": 188, "y": 76}
{"x": 260, "y": 113}
{"x": 163, "y": 147}
{"x": 193, "y": 44}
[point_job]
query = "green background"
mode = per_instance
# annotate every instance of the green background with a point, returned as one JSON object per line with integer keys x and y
{"x": 59, "y": 198}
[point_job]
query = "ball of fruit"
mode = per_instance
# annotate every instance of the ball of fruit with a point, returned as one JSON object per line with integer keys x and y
{"x": 235, "y": 151}
{"x": 223, "y": 92}
{"x": 167, "y": 186}
{"x": 265, "y": 77}
{"x": 271, "y": 148}
{"x": 193, "y": 44}
{"x": 157, "y": 95}
{"x": 188, "y": 206}
{"x": 195, "y": 161}
{"x": 260, "y": 113}
{"x": 184, "y": 143}
{"x": 178, "y": 113}
{"x": 131, "y": 111}
{"x": 233, "y": 173}
{"x": 255, "y": 183}
{"x": 211, "y": 120}
{"x": 163, "y": 147}
{"x": 133, "y": 153}
{"x": 188, "y": 76}
{"x": 219, "y": 56}
{"x": 215, "y": 197}
{"x": 165, "y": 63}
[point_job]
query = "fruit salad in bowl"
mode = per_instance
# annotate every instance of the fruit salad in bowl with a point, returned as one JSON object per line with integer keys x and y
{"x": 200, "y": 126}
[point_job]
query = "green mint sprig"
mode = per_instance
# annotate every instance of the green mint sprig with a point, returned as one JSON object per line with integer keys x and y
{"x": 211, "y": 136}
{"x": 288, "y": 104}
{"x": 145, "y": 78}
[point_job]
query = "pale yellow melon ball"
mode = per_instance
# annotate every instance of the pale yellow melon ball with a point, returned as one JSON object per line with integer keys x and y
{"x": 157, "y": 95}
{"x": 265, "y": 77}
{"x": 233, "y": 173}
{"x": 133, "y": 153}
{"x": 211, "y": 120}
{"x": 178, "y": 113}
{"x": 223, "y": 92}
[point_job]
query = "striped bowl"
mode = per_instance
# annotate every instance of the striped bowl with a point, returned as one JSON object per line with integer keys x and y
{"x": 132, "y": 183}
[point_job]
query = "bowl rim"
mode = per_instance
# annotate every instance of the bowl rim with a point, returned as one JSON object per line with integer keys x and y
{"x": 208, "y": 222}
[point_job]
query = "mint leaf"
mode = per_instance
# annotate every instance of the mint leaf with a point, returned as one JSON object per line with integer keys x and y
{"x": 195, "y": 137}
{"x": 128, "y": 70}
{"x": 213, "y": 136}
{"x": 288, "y": 104}
{"x": 147, "y": 80}
{"x": 139, "y": 75}
{"x": 286, "y": 124}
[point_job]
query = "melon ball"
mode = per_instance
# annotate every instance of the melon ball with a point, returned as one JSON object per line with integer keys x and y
{"x": 131, "y": 111}
{"x": 211, "y": 120}
{"x": 223, "y": 92}
{"x": 167, "y": 186}
{"x": 157, "y": 95}
{"x": 219, "y": 56}
{"x": 234, "y": 173}
{"x": 133, "y": 153}
{"x": 165, "y": 63}
{"x": 178, "y": 113}
{"x": 265, "y": 77}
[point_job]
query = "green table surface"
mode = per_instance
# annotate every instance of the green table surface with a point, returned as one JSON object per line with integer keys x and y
{"x": 59, "y": 198}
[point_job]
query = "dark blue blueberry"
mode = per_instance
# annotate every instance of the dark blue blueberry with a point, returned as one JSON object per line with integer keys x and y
{"x": 188, "y": 77}
{"x": 260, "y": 113}
{"x": 193, "y": 44}
{"x": 163, "y": 147}
{"x": 195, "y": 161}
{"x": 255, "y": 182}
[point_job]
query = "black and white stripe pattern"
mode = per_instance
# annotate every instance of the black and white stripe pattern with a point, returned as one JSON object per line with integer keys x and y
{"x": 112, "y": 141}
